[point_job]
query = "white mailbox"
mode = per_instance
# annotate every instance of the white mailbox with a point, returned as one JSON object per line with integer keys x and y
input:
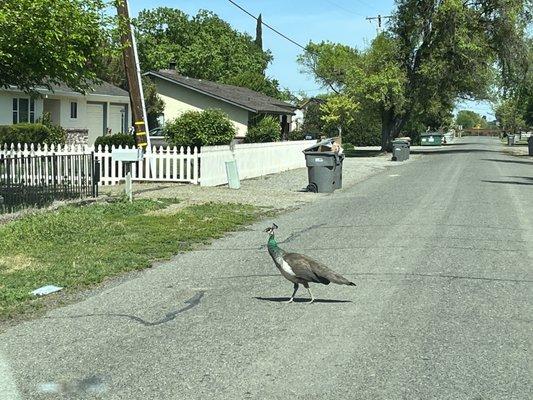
{"x": 129, "y": 155}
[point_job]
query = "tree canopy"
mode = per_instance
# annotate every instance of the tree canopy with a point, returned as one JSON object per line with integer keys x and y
{"x": 202, "y": 46}
{"x": 434, "y": 54}
{"x": 470, "y": 119}
{"x": 50, "y": 42}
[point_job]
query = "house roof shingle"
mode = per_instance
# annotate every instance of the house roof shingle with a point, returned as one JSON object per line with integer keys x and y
{"x": 239, "y": 96}
{"x": 102, "y": 88}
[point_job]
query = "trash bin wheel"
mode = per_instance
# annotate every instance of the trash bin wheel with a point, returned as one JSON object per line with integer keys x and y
{"x": 312, "y": 187}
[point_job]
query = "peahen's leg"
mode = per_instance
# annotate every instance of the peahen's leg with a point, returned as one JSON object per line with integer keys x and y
{"x": 306, "y": 285}
{"x": 293, "y": 293}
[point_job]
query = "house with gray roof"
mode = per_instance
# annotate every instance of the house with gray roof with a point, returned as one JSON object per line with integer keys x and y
{"x": 242, "y": 105}
{"x": 103, "y": 109}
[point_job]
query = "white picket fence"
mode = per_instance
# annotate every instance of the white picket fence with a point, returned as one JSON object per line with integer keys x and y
{"x": 165, "y": 164}
{"x": 205, "y": 166}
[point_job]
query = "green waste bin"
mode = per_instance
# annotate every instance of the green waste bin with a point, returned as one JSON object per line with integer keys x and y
{"x": 431, "y": 139}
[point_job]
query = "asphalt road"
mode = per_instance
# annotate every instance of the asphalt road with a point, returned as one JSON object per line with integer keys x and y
{"x": 440, "y": 249}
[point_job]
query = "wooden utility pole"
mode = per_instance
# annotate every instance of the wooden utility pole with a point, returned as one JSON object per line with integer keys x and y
{"x": 133, "y": 75}
{"x": 379, "y": 18}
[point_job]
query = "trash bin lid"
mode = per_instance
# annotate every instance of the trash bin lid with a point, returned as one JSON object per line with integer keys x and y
{"x": 325, "y": 142}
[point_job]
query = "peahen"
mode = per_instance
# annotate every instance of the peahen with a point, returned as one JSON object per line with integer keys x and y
{"x": 300, "y": 269}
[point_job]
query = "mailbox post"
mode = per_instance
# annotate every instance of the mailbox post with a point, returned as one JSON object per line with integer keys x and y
{"x": 128, "y": 157}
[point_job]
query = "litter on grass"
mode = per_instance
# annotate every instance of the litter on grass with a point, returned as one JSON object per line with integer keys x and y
{"x": 44, "y": 290}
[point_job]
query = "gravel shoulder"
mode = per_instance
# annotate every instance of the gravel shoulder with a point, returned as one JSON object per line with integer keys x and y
{"x": 278, "y": 191}
{"x": 520, "y": 151}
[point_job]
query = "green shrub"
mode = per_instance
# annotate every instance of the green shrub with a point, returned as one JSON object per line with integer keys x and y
{"x": 118, "y": 139}
{"x": 57, "y": 135}
{"x": 362, "y": 137}
{"x": 348, "y": 146}
{"x": 41, "y": 132}
{"x": 200, "y": 128}
{"x": 268, "y": 129}
{"x": 24, "y": 133}
{"x": 297, "y": 134}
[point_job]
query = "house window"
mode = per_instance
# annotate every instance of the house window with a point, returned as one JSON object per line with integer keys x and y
{"x": 74, "y": 109}
{"x": 23, "y": 110}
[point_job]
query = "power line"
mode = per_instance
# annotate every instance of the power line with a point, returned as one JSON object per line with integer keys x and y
{"x": 349, "y": 10}
{"x": 268, "y": 26}
{"x": 343, "y": 8}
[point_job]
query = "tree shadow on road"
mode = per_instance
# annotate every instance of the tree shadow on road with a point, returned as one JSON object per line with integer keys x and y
{"x": 509, "y": 161}
{"x": 300, "y": 300}
{"x": 437, "y": 151}
{"x": 511, "y": 182}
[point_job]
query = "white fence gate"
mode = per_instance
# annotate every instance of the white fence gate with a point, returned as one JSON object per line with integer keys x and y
{"x": 205, "y": 166}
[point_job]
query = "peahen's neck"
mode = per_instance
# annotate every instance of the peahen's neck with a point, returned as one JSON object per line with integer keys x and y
{"x": 273, "y": 247}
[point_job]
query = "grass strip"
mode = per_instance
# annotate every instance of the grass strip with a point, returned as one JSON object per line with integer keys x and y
{"x": 77, "y": 247}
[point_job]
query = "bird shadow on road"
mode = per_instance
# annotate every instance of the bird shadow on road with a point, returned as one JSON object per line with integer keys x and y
{"x": 300, "y": 300}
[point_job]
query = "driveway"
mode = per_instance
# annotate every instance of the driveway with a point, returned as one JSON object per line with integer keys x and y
{"x": 440, "y": 250}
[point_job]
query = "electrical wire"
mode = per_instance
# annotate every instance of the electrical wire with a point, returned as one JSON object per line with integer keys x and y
{"x": 344, "y": 8}
{"x": 268, "y": 26}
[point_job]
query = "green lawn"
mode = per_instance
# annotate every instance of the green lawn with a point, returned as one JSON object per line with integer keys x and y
{"x": 76, "y": 247}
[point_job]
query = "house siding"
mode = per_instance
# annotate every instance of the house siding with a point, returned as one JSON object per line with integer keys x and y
{"x": 179, "y": 99}
{"x": 6, "y": 106}
{"x": 63, "y": 109}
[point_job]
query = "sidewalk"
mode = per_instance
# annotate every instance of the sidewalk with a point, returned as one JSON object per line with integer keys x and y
{"x": 278, "y": 191}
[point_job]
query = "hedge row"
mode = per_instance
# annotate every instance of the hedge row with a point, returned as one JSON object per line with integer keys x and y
{"x": 32, "y": 133}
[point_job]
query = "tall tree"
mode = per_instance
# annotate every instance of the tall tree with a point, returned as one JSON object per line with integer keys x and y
{"x": 509, "y": 116}
{"x": 448, "y": 50}
{"x": 436, "y": 52}
{"x": 49, "y": 42}
{"x": 259, "y": 32}
{"x": 203, "y": 46}
{"x": 469, "y": 119}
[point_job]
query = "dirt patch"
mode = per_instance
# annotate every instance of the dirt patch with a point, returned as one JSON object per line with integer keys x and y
{"x": 9, "y": 264}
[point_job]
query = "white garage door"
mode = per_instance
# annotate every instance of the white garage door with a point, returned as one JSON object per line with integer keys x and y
{"x": 95, "y": 121}
{"x": 116, "y": 118}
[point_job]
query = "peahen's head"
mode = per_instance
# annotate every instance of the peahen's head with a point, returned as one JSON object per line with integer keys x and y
{"x": 270, "y": 230}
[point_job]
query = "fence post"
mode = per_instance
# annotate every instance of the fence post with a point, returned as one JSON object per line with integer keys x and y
{"x": 95, "y": 165}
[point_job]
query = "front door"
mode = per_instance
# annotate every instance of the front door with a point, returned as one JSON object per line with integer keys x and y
{"x": 53, "y": 108}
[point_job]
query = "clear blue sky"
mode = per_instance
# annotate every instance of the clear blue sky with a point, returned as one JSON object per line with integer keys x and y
{"x": 340, "y": 21}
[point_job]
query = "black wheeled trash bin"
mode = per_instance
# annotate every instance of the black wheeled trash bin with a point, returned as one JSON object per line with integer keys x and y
{"x": 400, "y": 150}
{"x": 338, "y": 170}
{"x": 530, "y": 145}
{"x": 324, "y": 168}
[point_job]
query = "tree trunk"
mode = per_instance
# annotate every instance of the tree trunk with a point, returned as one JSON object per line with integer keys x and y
{"x": 391, "y": 126}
